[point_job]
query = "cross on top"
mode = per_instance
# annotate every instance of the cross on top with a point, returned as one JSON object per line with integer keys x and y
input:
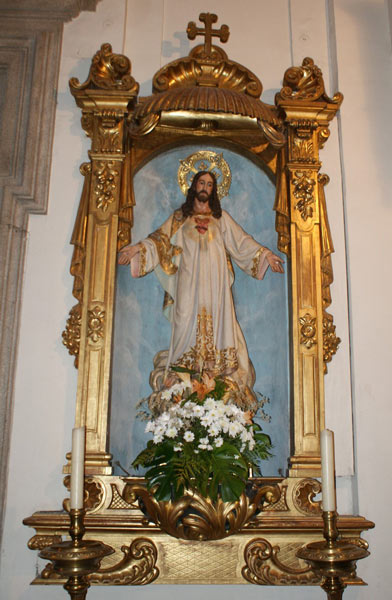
{"x": 208, "y": 19}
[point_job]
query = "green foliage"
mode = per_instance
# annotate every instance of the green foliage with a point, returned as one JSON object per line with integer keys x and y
{"x": 202, "y": 444}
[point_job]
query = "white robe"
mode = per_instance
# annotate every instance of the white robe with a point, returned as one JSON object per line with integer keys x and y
{"x": 193, "y": 266}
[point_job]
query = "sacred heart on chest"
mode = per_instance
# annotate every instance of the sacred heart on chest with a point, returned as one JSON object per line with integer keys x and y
{"x": 202, "y": 224}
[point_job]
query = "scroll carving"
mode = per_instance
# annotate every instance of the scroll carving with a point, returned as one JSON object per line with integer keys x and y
{"x": 273, "y": 565}
{"x": 303, "y": 496}
{"x": 306, "y": 83}
{"x": 137, "y": 567}
{"x": 94, "y": 493}
{"x": 108, "y": 71}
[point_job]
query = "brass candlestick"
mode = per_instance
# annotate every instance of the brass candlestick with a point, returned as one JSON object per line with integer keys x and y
{"x": 76, "y": 558}
{"x": 332, "y": 558}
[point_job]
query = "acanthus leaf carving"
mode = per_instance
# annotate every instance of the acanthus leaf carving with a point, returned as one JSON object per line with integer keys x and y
{"x": 302, "y": 150}
{"x": 194, "y": 517}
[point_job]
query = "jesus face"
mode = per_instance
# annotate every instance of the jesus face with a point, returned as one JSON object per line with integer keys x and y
{"x": 204, "y": 187}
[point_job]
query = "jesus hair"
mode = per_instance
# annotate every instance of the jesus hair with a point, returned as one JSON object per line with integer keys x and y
{"x": 213, "y": 200}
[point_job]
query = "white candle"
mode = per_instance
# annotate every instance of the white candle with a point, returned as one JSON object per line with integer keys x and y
{"x": 328, "y": 470}
{"x": 77, "y": 467}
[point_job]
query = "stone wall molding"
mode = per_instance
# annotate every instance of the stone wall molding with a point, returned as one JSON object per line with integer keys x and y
{"x": 30, "y": 50}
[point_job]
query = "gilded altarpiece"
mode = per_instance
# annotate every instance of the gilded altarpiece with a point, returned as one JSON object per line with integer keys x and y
{"x": 206, "y": 100}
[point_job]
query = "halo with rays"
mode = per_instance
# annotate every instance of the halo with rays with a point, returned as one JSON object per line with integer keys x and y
{"x": 205, "y": 160}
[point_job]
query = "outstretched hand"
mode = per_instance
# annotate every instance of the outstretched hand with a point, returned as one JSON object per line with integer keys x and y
{"x": 275, "y": 262}
{"x": 127, "y": 253}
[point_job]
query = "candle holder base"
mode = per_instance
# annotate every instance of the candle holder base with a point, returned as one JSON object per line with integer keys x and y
{"x": 76, "y": 558}
{"x": 331, "y": 558}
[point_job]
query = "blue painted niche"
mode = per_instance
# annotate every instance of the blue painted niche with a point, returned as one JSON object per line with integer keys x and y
{"x": 140, "y": 330}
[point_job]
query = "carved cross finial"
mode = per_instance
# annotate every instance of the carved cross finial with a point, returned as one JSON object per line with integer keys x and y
{"x": 208, "y": 19}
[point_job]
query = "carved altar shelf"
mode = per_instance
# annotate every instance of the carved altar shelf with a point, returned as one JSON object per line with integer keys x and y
{"x": 263, "y": 553}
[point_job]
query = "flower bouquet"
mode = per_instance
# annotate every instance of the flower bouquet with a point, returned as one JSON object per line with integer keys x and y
{"x": 203, "y": 442}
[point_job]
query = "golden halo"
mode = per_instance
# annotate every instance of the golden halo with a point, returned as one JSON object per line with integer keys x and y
{"x": 205, "y": 160}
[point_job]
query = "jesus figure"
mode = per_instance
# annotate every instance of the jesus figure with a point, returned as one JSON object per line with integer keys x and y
{"x": 191, "y": 255}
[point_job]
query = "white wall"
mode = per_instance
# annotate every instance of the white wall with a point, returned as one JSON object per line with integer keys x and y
{"x": 350, "y": 41}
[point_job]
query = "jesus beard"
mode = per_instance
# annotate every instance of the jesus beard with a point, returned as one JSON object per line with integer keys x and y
{"x": 203, "y": 196}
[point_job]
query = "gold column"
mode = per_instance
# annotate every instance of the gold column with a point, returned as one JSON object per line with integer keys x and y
{"x": 104, "y": 100}
{"x": 307, "y": 112}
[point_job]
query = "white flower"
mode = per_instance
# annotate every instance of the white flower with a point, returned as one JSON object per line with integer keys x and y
{"x": 166, "y": 394}
{"x": 202, "y": 446}
{"x": 223, "y": 421}
{"x": 177, "y": 448}
{"x": 214, "y": 429}
{"x": 159, "y": 430}
{"x": 171, "y": 432}
{"x": 198, "y": 411}
{"x": 189, "y": 436}
{"x": 234, "y": 429}
{"x": 209, "y": 403}
{"x": 150, "y": 427}
{"x": 218, "y": 442}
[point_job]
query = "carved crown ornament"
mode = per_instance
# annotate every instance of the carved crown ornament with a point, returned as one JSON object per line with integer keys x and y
{"x": 207, "y": 81}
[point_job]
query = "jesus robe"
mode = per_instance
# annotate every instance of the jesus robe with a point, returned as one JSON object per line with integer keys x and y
{"x": 192, "y": 259}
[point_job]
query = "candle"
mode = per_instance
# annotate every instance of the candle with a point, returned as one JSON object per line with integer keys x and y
{"x": 77, "y": 467}
{"x": 328, "y": 470}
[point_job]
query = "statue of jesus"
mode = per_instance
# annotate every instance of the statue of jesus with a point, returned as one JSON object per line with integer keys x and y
{"x": 191, "y": 255}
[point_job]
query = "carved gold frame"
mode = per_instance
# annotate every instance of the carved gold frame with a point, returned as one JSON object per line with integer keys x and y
{"x": 202, "y": 97}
